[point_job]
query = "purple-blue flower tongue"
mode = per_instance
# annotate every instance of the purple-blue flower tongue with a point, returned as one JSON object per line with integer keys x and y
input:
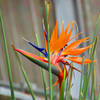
{"x": 40, "y": 49}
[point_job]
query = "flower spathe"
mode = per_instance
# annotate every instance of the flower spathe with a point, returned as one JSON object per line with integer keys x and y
{"x": 60, "y": 50}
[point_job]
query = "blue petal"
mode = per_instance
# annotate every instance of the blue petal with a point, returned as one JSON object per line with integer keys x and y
{"x": 40, "y": 49}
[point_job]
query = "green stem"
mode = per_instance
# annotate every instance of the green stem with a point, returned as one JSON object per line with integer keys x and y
{"x": 93, "y": 86}
{"x": 91, "y": 68}
{"x": 98, "y": 98}
{"x": 68, "y": 84}
{"x": 43, "y": 73}
{"x": 86, "y": 67}
{"x": 92, "y": 50}
{"x": 49, "y": 62}
{"x": 70, "y": 81}
{"x": 7, "y": 58}
{"x": 80, "y": 97}
{"x": 66, "y": 89}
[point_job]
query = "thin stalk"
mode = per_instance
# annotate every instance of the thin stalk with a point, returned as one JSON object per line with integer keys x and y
{"x": 70, "y": 97}
{"x": 85, "y": 79}
{"x": 93, "y": 87}
{"x": 91, "y": 68}
{"x": 84, "y": 84}
{"x": 98, "y": 98}
{"x": 25, "y": 75}
{"x": 96, "y": 29}
{"x": 43, "y": 73}
{"x": 68, "y": 84}
{"x": 7, "y": 58}
{"x": 66, "y": 90}
{"x": 80, "y": 93}
{"x": 92, "y": 50}
{"x": 70, "y": 81}
{"x": 49, "y": 64}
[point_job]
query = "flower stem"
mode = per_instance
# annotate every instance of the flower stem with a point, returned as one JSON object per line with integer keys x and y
{"x": 80, "y": 93}
{"x": 49, "y": 62}
{"x": 7, "y": 58}
{"x": 42, "y": 70}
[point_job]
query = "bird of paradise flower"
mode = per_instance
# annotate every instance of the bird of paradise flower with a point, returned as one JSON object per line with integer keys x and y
{"x": 60, "y": 50}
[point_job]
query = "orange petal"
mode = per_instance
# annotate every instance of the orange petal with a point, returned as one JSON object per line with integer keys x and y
{"x": 54, "y": 84}
{"x": 75, "y": 36}
{"x": 54, "y": 35}
{"x": 74, "y": 44}
{"x": 62, "y": 40}
{"x": 62, "y": 32}
{"x": 78, "y": 60}
{"x": 54, "y": 45}
{"x": 76, "y": 51}
{"x": 66, "y": 30}
{"x": 57, "y": 65}
{"x": 30, "y": 55}
{"x": 70, "y": 32}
